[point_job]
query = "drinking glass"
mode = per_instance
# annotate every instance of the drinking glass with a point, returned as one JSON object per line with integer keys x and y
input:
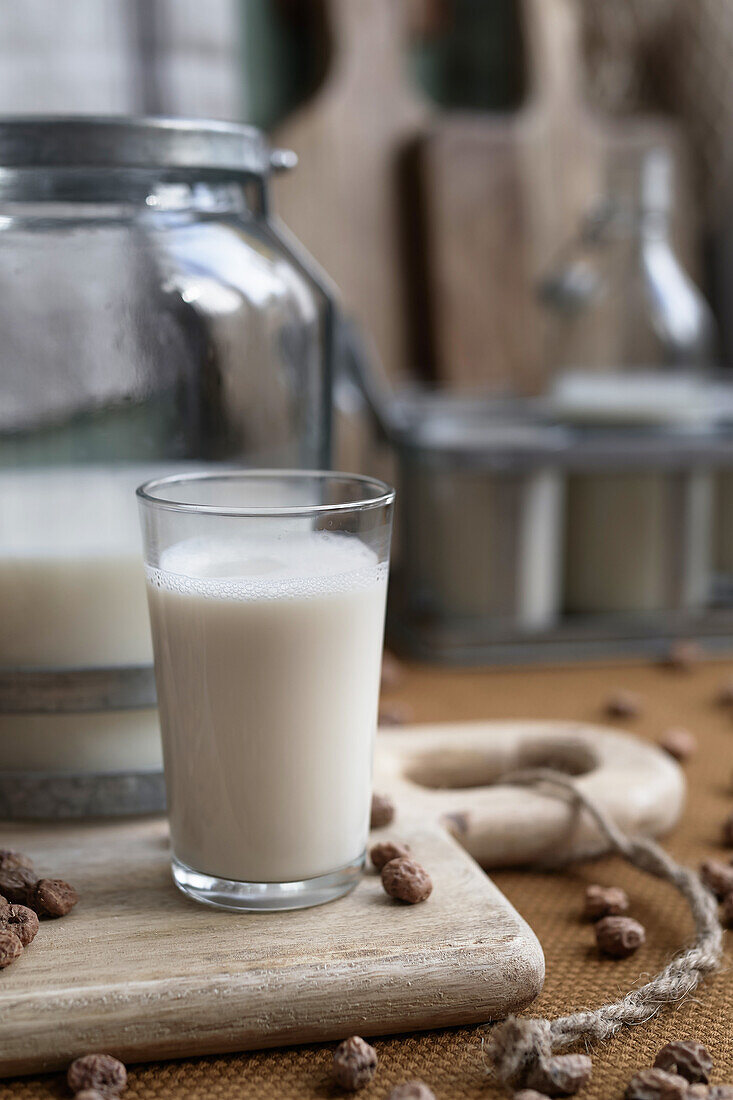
{"x": 267, "y": 595}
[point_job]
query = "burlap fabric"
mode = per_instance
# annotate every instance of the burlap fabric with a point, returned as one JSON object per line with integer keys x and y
{"x": 451, "y": 1062}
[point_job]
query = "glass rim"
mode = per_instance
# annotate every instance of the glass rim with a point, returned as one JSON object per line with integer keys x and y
{"x": 382, "y": 493}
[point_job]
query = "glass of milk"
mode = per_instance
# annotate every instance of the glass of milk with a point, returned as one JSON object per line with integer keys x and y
{"x": 267, "y": 596}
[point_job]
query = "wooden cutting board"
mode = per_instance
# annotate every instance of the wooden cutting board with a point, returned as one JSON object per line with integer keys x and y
{"x": 504, "y": 195}
{"x": 140, "y": 971}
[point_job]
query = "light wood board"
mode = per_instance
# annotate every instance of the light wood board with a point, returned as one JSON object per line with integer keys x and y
{"x": 140, "y": 971}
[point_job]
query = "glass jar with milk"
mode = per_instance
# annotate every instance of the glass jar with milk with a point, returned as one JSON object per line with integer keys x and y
{"x": 267, "y": 597}
{"x": 153, "y": 315}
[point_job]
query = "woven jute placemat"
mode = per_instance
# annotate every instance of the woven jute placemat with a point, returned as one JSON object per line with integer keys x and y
{"x": 452, "y": 1061}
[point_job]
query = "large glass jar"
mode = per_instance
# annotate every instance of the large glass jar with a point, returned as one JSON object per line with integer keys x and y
{"x": 152, "y": 315}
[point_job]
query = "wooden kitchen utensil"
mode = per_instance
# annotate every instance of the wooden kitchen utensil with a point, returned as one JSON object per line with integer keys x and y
{"x": 140, "y": 971}
{"x": 503, "y": 194}
{"x": 343, "y": 200}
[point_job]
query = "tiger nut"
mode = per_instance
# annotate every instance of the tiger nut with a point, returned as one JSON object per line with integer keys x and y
{"x": 16, "y": 883}
{"x": 354, "y": 1063}
{"x": 101, "y": 1072}
{"x": 619, "y": 937}
{"x": 383, "y": 811}
{"x": 382, "y": 853}
{"x": 717, "y": 876}
{"x": 412, "y": 1090}
{"x": 727, "y": 831}
{"x": 679, "y": 743}
{"x": 688, "y": 1057}
{"x": 562, "y": 1075}
{"x": 623, "y": 704}
{"x": 52, "y": 897}
{"x": 605, "y": 901}
{"x": 10, "y": 947}
{"x": 392, "y": 672}
{"x": 683, "y": 655}
{"x": 11, "y": 861}
{"x": 726, "y": 911}
{"x": 656, "y": 1084}
{"x": 405, "y": 880}
{"x": 20, "y": 920}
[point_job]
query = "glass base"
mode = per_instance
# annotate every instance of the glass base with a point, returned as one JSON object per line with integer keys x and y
{"x": 225, "y": 893}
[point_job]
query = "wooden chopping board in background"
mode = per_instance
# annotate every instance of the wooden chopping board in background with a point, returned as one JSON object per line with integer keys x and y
{"x": 503, "y": 193}
{"x": 140, "y": 971}
{"x": 343, "y": 200}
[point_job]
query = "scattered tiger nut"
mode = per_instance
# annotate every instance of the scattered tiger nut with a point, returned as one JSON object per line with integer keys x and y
{"x": 11, "y": 861}
{"x": 412, "y": 1090}
{"x": 727, "y": 831}
{"x": 405, "y": 880}
{"x": 382, "y": 853}
{"x": 688, "y": 1057}
{"x": 20, "y": 920}
{"x": 605, "y": 901}
{"x": 682, "y": 656}
{"x": 392, "y": 672}
{"x": 724, "y": 698}
{"x": 394, "y": 714}
{"x": 679, "y": 743}
{"x": 619, "y": 937}
{"x": 563, "y": 1075}
{"x": 52, "y": 897}
{"x": 10, "y": 947}
{"x": 16, "y": 884}
{"x": 717, "y": 876}
{"x": 623, "y": 704}
{"x": 656, "y": 1084}
{"x": 383, "y": 811}
{"x": 354, "y": 1063}
{"x": 726, "y": 911}
{"x": 97, "y": 1071}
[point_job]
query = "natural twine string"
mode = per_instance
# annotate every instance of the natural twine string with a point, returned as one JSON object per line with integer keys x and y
{"x": 519, "y": 1045}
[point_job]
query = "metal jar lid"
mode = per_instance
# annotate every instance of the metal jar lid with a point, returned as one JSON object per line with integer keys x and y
{"x": 108, "y": 141}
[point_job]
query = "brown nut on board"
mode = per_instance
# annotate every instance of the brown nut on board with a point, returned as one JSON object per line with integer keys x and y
{"x": 619, "y": 937}
{"x": 563, "y": 1075}
{"x": 656, "y": 1084}
{"x": 19, "y": 920}
{"x": 623, "y": 704}
{"x": 678, "y": 743}
{"x": 52, "y": 897}
{"x": 405, "y": 880}
{"x": 11, "y": 861}
{"x": 354, "y": 1063}
{"x": 412, "y": 1090}
{"x": 717, "y": 876}
{"x": 383, "y": 811}
{"x": 688, "y": 1057}
{"x": 382, "y": 853}
{"x": 97, "y": 1071}
{"x": 10, "y": 947}
{"x": 16, "y": 884}
{"x": 605, "y": 901}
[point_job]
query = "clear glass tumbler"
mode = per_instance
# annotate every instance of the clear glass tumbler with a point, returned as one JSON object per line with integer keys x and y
{"x": 267, "y": 594}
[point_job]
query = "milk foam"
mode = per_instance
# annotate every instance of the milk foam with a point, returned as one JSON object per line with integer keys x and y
{"x": 298, "y": 565}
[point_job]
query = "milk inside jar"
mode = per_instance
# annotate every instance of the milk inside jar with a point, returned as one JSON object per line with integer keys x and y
{"x": 267, "y": 652}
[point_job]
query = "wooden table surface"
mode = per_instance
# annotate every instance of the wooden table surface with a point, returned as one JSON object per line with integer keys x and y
{"x": 451, "y": 1060}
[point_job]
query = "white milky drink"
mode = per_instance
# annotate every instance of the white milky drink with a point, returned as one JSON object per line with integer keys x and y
{"x": 267, "y": 653}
